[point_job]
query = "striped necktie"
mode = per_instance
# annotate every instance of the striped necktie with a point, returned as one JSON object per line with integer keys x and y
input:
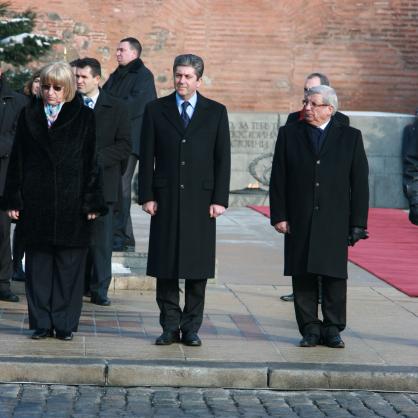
{"x": 184, "y": 116}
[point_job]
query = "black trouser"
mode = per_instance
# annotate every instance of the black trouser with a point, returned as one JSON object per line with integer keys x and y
{"x": 122, "y": 223}
{"x": 18, "y": 247}
{"x": 5, "y": 253}
{"x": 54, "y": 286}
{"x": 172, "y": 317}
{"x": 99, "y": 259}
{"x": 334, "y": 304}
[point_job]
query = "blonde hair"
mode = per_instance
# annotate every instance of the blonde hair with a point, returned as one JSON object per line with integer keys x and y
{"x": 59, "y": 73}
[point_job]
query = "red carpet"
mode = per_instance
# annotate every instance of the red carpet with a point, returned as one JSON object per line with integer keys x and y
{"x": 391, "y": 252}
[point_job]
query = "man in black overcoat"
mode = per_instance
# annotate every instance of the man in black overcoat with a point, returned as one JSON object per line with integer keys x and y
{"x": 313, "y": 80}
{"x": 11, "y": 104}
{"x": 113, "y": 144}
{"x": 133, "y": 83}
{"x": 319, "y": 199}
{"x": 184, "y": 173}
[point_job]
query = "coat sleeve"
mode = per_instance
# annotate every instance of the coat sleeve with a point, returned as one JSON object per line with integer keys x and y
{"x": 146, "y": 159}
{"x": 12, "y": 194}
{"x": 410, "y": 164}
{"x": 222, "y": 162}
{"x": 93, "y": 198}
{"x": 359, "y": 185}
{"x": 121, "y": 149}
{"x": 277, "y": 191}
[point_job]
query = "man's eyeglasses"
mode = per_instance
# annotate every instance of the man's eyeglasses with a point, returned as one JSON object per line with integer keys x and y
{"x": 48, "y": 86}
{"x": 313, "y": 104}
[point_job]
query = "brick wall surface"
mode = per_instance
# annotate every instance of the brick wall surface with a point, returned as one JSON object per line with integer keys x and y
{"x": 257, "y": 52}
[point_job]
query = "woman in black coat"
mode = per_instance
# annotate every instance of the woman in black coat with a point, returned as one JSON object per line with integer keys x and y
{"x": 53, "y": 188}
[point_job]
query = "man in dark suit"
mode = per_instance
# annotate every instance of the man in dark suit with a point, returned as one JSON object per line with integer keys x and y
{"x": 184, "y": 173}
{"x": 113, "y": 145}
{"x": 11, "y": 104}
{"x": 134, "y": 84}
{"x": 313, "y": 80}
{"x": 319, "y": 199}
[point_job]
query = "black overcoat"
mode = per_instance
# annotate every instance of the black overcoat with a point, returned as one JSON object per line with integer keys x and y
{"x": 113, "y": 141}
{"x": 321, "y": 196}
{"x": 53, "y": 176}
{"x": 185, "y": 171}
{"x": 11, "y": 104}
{"x": 136, "y": 88}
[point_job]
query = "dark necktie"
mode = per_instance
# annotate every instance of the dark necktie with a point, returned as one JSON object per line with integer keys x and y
{"x": 317, "y": 134}
{"x": 88, "y": 102}
{"x": 184, "y": 116}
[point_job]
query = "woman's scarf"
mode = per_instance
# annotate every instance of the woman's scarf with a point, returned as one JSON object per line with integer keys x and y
{"x": 51, "y": 112}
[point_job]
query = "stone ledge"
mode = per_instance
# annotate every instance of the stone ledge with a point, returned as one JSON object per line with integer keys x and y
{"x": 187, "y": 374}
{"x": 342, "y": 376}
{"x": 53, "y": 370}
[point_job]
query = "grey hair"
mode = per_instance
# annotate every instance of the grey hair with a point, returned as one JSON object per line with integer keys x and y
{"x": 329, "y": 96}
{"x": 190, "y": 60}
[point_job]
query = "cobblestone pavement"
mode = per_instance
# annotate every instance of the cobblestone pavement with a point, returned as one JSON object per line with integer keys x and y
{"x": 29, "y": 400}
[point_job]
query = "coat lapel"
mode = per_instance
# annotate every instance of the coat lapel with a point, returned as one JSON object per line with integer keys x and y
{"x": 304, "y": 137}
{"x": 170, "y": 111}
{"x": 334, "y": 131}
{"x": 200, "y": 113}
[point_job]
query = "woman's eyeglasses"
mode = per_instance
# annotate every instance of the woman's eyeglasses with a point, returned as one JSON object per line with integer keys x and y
{"x": 48, "y": 86}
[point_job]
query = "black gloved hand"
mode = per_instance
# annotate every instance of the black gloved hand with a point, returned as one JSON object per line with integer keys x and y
{"x": 413, "y": 214}
{"x": 357, "y": 234}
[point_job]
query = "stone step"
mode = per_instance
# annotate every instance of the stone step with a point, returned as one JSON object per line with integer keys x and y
{"x": 129, "y": 272}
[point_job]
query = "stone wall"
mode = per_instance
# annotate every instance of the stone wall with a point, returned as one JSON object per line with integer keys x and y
{"x": 253, "y": 138}
{"x": 257, "y": 52}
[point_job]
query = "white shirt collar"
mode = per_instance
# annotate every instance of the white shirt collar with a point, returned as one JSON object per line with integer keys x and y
{"x": 192, "y": 100}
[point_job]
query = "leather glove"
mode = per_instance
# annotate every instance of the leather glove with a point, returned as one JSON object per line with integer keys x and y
{"x": 413, "y": 214}
{"x": 357, "y": 234}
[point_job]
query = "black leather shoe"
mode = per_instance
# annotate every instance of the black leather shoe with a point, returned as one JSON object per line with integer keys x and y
{"x": 310, "y": 340}
{"x": 168, "y": 338}
{"x": 9, "y": 296}
{"x": 191, "y": 339}
{"x": 334, "y": 341}
{"x": 65, "y": 336}
{"x": 100, "y": 301}
{"x": 42, "y": 333}
{"x": 288, "y": 298}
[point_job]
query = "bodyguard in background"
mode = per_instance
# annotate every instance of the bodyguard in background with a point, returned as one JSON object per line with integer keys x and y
{"x": 11, "y": 104}
{"x": 113, "y": 145}
{"x": 319, "y": 199}
{"x": 184, "y": 173}
{"x": 132, "y": 82}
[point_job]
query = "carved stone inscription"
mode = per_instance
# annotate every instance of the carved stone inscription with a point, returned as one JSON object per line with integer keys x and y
{"x": 253, "y": 137}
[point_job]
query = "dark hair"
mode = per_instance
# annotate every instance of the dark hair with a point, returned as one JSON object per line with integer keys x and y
{"x": 27, "y": 89}
{"x": 190, "y": 60}
{"x": 134, "y": 44}
{"x": 322, "y": 77}
{"x": 74, "y": 63}
{"x": 93, "y": 63}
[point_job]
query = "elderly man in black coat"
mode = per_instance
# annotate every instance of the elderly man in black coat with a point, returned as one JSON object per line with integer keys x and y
{"x": 184, "y": 175}
{"x": 133, "y": 83}
{"x": 11, "y": 105}
{"x": 319, "y": 199}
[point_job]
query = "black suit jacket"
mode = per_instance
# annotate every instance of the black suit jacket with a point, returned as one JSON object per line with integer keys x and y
{"x": 184, "y": 170}
{"x": 113, "y": 141}
{"x": 339, "y": 117}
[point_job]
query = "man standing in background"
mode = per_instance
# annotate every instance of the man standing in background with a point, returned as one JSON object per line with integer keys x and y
{"x": 113, "y": 148}
{"x": 11, "y": 104}
{"x": 134, "y": 84}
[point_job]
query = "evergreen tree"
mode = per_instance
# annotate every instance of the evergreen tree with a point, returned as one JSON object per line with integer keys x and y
{"x": 18, "y": 45}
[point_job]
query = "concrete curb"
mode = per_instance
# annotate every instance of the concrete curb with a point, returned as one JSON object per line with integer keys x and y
{"x": 51, "y": 370}
{"x": 281, "y": 376}
{"x": 299, "y": 376}
{"x": 187, "y": 374}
